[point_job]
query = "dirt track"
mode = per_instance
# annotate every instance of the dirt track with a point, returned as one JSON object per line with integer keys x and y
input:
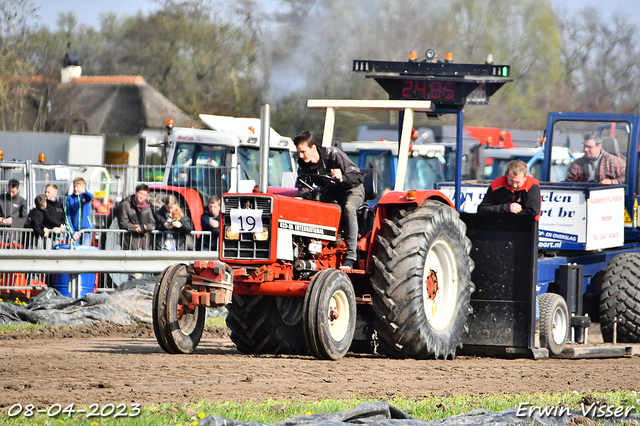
{"x": 115, "y": 364}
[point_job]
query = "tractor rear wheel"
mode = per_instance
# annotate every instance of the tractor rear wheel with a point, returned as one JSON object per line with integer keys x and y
{"x": 177, "y": 324}
{"x": 554, "y": 322}
{"x": 620, "y": 298}
{"x": 422, "y": 282}
{"x": 266, "y": 324}
{"x": 329, "y": 315}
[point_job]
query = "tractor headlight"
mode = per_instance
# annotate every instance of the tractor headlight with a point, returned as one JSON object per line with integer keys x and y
{"x": 230, "y": 235}
{"x": 261, "y": 236}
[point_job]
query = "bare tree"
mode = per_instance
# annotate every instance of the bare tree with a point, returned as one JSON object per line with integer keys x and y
{"x": 602, "y": 61}
{"x": 14, "y": 67}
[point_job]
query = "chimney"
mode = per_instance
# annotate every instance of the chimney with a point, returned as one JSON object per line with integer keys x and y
{"x": 70, "y": 68}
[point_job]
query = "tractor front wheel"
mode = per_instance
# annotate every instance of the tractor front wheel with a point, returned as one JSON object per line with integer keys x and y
{"x": 177, "y": 324}
{"x": 329, "y": 315}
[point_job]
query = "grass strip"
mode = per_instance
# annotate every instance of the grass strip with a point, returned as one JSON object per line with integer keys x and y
{"x": 273, "y": 411}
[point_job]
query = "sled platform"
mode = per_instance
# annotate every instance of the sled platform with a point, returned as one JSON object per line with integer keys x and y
{"x": 608, "y": 351}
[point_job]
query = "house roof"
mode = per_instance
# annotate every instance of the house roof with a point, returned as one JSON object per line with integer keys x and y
{"x": 111, "y": 105}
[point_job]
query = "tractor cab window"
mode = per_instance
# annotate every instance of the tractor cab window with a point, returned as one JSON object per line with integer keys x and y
{"x": 424, "y": 172}
{"x": 383, "y": 163}
{"x": 201, "y": 167}
{"x": 249, "y": 164}
{"x": 569, "y": 145}
{"x": 354, "y": 157}
{"x": 279, "y": 163}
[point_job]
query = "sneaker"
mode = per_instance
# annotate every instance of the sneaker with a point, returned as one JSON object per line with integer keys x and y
{"x": 348, "y": 264}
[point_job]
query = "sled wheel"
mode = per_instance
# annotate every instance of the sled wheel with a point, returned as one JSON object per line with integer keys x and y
{"x": 266, "y": 324}
{"x": 179, "y": 324}
{"x": 554, "y": 322}
{"x": 329, "y": 315}
{"x": 422, "y": 282}
{"x": 620, "y": 298}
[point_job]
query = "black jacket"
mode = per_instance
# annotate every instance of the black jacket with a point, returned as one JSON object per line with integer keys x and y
{"x": 35, "y": 220}
{"x": 54, "y": 214}
{"x": 210, "y": 242}
{"x": 499, "y": 197}
{"x": 179, "y": 234}
{"x": 330, "y": 158}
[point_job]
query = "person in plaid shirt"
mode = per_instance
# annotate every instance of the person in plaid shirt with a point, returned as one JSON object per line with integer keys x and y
{"x": 596, "y": 165}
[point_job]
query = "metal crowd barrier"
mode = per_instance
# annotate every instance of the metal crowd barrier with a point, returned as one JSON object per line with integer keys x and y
{"x": 112, "y": 183}
{"x": 28, "y": 263}
{"x": 101, "y": 239}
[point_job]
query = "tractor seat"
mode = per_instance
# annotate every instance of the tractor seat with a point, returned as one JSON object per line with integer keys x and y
{"x": 610, "y": 145}
{"x": 370, "y": 183}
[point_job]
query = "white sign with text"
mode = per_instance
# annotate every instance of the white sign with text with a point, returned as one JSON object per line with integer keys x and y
{"x": 605, "y": 219}
{"x": 568, "y": 219}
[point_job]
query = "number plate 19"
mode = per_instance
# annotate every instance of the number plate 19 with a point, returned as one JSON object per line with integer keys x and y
{"x": 246, "y": 220}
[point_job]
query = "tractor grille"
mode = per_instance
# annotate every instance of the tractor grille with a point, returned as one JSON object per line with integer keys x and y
{"x": 246, "y": 247}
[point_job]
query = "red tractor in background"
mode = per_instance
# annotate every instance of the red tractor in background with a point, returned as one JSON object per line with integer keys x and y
{"x": 279, "y": 259}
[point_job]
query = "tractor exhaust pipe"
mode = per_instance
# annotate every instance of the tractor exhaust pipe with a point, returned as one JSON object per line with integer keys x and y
{"x": 265, "y": 130}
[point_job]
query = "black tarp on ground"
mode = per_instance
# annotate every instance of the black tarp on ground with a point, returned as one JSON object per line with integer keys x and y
{"x": 383, "y": 414}
{"x": 122, "y": 307}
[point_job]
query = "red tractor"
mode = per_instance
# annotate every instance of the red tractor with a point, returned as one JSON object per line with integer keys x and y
{"x": 279, "y": 260}
{"x": 279, "y": 263}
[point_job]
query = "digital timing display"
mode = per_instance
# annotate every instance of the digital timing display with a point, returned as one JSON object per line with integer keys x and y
{"x": 429, "y": 90}
{"x": 446, "y": 93}
{"x": 447, "y": 85}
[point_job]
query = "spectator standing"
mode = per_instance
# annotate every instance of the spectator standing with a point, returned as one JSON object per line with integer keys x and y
{"x": 54, "y": 216}
{"x": 135, "y": 216}
{"x": 210, "y": 221}
{"x": 175, "y": 226}
{"x": 36, "y": 221}
{"x": 78, "y": 211}
{"x": 13, "y": 208}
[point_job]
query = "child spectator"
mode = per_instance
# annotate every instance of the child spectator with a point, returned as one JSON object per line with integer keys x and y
{"x": 210, "y": 221}
{"x": 36, "y": 221}
{"x": 78, "y": 211}
{"x": 176, "y": 226}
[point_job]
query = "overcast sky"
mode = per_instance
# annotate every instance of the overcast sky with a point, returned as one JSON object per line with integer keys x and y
{"x": 88, "y": 11}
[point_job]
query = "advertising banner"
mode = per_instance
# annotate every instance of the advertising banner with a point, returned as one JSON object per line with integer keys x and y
{"x": 570, "y": 218}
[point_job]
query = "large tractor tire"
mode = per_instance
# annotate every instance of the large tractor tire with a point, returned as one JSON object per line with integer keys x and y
{"x": 620, "y": 298}
{"x": 178, "y": 327}
{"x": 422, "y": 283}
{"x": 266, "y": 324}
{"x": 554, "y": 322}
{"x": 329, "y": 314}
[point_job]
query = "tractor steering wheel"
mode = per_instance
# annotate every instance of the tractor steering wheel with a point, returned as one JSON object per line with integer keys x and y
{"x": 319, "y": 183}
